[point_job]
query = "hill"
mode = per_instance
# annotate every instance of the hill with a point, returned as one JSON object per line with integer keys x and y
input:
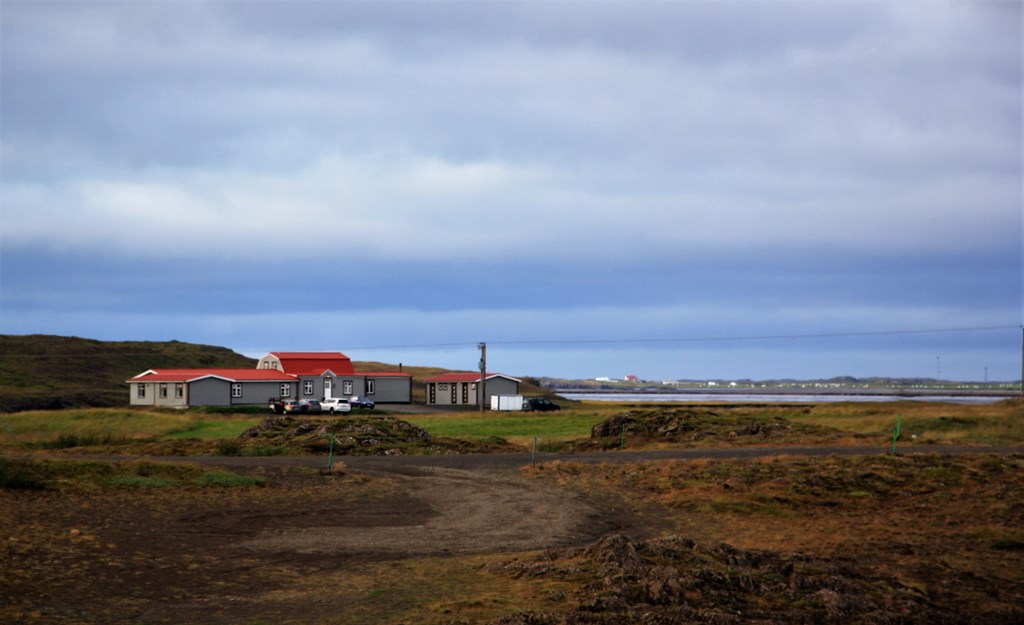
{"x": 51, "y": 372}
{"x": 48, "y": 372}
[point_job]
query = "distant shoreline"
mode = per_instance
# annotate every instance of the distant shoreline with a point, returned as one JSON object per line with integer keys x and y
{"x": 786, "y": 395}
{"x": 789, "y": 391}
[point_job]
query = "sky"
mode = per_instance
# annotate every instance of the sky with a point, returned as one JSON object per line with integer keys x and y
{"x": 673, "y": 190}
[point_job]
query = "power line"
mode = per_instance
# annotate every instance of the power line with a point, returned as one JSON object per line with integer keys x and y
{"x": 641, "y": 341}
{"x": 617, "y": 341}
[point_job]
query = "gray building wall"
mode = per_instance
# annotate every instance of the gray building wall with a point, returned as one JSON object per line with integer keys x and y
{"x": 257, "y": 393}
{"x": 390, "y": 389}
{"x": 217, "y": 392}
{"x": 467, "y": 393}
{"x": 209, "y": 392}
{"x": 499, "y": 386}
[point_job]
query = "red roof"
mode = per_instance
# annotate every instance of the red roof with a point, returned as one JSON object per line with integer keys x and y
{"x": 314, "y": 363}
{"x": 466, "y": 377}
{"x": 232, "y": 375}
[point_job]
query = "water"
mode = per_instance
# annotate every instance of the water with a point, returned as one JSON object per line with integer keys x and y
{"x": 773, "y": 398}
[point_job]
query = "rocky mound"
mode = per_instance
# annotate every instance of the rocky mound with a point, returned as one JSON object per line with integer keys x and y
{"x": 359, "y": 436}
{"x": 682, "y": 425}
{"x": 674, "y": 580}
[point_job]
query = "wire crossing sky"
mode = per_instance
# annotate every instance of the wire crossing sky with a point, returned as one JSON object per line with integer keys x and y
{"x": 569, "y": 181}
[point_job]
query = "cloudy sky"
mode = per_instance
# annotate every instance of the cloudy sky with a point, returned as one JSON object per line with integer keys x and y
{"x": 666, "y": 189}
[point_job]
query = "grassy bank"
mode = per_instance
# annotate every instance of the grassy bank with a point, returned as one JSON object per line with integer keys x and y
{"x": 922, "y": 423}
{"x": 112, "y": 426}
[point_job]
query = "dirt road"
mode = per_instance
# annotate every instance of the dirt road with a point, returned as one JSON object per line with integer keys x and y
{"x": 446, "y": 511}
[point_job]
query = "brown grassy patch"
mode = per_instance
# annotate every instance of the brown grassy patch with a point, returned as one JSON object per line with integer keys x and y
{"x": 952, "y": 527}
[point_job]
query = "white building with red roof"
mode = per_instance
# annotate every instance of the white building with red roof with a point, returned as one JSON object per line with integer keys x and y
{"x": 462, "y": 388}
{"x": 277, "y": 375}
{"x": 180, "y": 388}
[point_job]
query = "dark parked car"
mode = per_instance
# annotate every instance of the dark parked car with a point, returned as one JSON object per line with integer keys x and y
{"x": 541, "y": 404}
{"x": 361, "y": 403}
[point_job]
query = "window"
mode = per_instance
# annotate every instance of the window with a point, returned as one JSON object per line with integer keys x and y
{"x": 286, "y": 390}
{"x": 179, "y": 391}
{"x": 163, "y": 390}
{"x": 307, "y": 387}
{"x": 346, "y": 387}
{"x": 236, "y": 389}
{"x": 371, "y": 387}
{"x": 140, "y": 391}
{"x": 442, "y": 387}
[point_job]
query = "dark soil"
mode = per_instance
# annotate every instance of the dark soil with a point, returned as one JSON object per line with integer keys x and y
{"x": 306, "y": 545}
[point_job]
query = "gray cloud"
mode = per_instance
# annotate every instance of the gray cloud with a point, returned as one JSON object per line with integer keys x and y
{"x": 747, "y": 142}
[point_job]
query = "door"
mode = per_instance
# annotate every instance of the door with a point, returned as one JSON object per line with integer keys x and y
{"x": 328, "y": 387}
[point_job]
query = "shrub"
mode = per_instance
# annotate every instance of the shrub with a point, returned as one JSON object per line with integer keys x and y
{"x": 227, "y": 447}
{"x": 227, "y": 479}
{"x": 19, "y": 476}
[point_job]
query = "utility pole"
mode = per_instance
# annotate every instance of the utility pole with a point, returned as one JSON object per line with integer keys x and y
{"x": 1022, "y": 362}
{"x": 483, "y": 374}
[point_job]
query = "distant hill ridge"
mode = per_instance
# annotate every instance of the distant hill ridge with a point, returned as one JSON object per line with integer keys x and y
{"x": 41, "y": 371}
{"x": 46, "y": 372}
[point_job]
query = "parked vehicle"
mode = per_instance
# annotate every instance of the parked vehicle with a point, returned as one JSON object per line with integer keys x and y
{"x": 335, "y": 404}
{"x": 361, "y": 403}
{"x": 292, "y": 406}
{"x": 295, "y": 406}
{"x": 540, "y": 404}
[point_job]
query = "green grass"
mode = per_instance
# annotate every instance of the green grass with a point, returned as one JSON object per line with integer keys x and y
{"x": 998, "y": 423}
{"x": 64, "y": 429}
{"x": 90, "y": 474}
{"x": 213, "y": 428}
{"x": 1001, "y": 423}
{"x": 514, "y": 427}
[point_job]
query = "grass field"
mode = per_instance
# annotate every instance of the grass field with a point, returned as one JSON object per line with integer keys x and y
{"x": 518, "y": 428}
{"x": 1000, "y": 423}
{"x": 113, "y": 425}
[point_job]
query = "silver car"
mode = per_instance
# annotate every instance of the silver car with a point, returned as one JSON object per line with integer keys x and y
{"x": 335, "y": 404}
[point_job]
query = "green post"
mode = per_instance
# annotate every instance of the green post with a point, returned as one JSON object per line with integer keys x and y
{"x": 895, "y": 434}
{"x": 534, "y": 460}
{"x": 622, "y": 441}
{"x": 330, "y": 454}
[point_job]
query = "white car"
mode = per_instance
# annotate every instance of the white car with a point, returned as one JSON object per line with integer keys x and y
{"x": 335, "y": 404}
